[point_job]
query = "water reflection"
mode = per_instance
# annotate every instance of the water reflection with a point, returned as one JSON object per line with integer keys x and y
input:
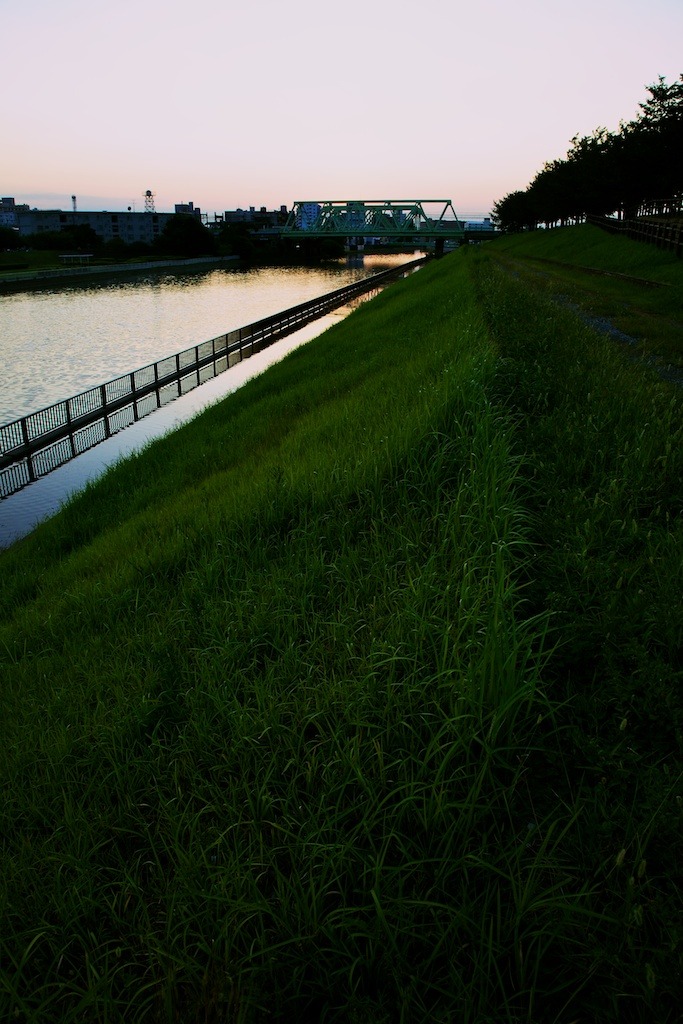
{"x": 58, "y": 343}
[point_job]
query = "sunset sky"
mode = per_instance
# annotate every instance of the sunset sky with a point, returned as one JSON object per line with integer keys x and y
{"x": 231, "y": 103}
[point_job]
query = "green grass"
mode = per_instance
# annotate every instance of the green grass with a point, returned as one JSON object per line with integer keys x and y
{"x": 20, "y": 261}
{"x": 562, "y": 262}
{"x": 590, "y": 247}
{"x": 314, "y": 709}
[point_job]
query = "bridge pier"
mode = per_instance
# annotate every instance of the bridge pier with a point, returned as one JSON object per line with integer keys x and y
{"x": 354, "y": 244}
{"x": 438, "y": 247}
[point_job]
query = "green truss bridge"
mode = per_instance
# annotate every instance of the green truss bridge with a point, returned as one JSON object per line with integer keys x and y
{"x": 415, "y": 220}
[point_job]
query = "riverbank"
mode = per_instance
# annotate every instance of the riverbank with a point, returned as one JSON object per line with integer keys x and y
{"x": 30, "y": 280}
{"x": 358, "y": 698}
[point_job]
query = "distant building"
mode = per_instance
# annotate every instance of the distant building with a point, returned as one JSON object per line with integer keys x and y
{"x": 307, "y": 214}
{"x": 127, "y": 225}
{"x": 188, "y": 209}
{"x": 479, "y": 225}
{"x": 9, "y": 211}
{"x": 261, "y": 218}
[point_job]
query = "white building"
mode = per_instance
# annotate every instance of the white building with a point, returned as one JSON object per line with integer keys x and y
{"x": 307, "y": 214}
{"x": 9, "y": 211}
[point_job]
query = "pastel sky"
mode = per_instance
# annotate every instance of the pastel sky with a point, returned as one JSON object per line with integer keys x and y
{"x": 231, "y": 103}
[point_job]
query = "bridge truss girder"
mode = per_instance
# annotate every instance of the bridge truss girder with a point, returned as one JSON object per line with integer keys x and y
{"x": 391, "y": 219}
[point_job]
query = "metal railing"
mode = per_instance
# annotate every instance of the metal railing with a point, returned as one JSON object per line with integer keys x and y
{"x": 662, "y": 233}
{"x": 37, "y": 444}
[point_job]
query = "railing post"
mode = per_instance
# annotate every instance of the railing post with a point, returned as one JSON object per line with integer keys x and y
{"x": 177, "y": 370}
{"x": 71, "y": 433}
{"x": 29, "y": 457}
{"x": 103, "y": 393}
{"x": 132, "y": 391}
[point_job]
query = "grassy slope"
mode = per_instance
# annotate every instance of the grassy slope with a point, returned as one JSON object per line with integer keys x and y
{"x": 315, "y": 708}
{"x": 650, "y": 312}
{"x": 588, "y": 246}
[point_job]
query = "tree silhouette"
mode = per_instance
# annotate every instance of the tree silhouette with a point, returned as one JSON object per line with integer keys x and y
{"x": 185, "y": 235}
{"x": 608, "y": 173}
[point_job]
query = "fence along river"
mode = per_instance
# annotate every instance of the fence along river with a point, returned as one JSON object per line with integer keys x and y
{"x": 36, "y": 444}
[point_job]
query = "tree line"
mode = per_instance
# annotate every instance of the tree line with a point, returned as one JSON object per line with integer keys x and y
{"x": 609, "y": 173}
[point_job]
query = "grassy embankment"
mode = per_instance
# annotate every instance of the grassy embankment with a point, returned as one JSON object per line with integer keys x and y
{"x": 358, "y": 699}
{"x": 13, "y": 261}
{"x": 589, "y": 267}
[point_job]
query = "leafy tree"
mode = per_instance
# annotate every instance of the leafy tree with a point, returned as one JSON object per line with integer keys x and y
{"x": 656, "y": 137}
{"x": 608, "y": 172}
{"x": 236, "y": 240}
{"x": 10, "y": 239}
{"x": 552, "y": 192}
{"x": 118, "y": 249}
{"x": 185, "y": 235}
{"x": 74, "y": 238}
{"x": 514, "y": 212}
{"x": 595, "y": 177}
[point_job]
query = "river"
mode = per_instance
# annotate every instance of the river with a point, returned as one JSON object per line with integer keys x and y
{"x": 59, "y": 342}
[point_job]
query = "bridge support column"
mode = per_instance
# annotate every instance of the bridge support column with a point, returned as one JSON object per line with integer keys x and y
{"x": 355, "y": 244}
{"x": 438, "y": 247}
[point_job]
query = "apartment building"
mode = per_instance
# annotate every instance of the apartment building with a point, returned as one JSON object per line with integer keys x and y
{"x": 129, "y": 226}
